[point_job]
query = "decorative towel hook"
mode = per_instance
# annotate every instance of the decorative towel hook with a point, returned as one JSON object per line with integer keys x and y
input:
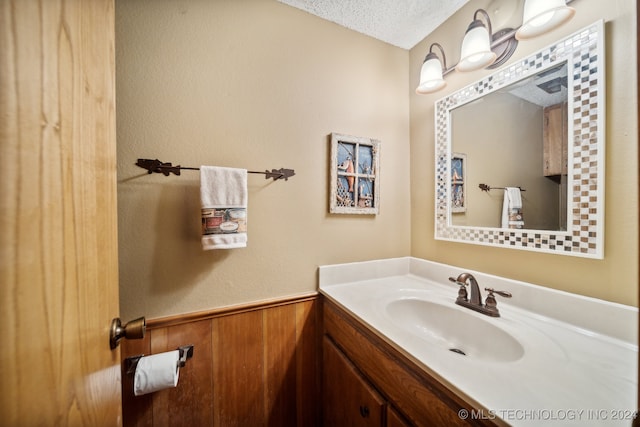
{"x": 156, "y": 166}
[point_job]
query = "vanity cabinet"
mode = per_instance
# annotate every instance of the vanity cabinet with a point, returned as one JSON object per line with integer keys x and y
{"x": 555, "y": 146}
{"x": 363, "y": 373}
{"x": 348, "y": 398}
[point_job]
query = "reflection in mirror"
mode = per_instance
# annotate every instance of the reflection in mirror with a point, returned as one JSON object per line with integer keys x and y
{"x": 515, "y": 136}
{"x": 544, "y": 134}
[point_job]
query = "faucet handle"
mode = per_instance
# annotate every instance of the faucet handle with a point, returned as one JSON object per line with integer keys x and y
{"x": 462, "y": 291}
{"x": 501, "y": 293}
{"x": 490, "y": 303}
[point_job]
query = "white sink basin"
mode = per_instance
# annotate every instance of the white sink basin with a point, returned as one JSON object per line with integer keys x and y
{"x": 568, "y": 357}
{"x": 463, "y": 332}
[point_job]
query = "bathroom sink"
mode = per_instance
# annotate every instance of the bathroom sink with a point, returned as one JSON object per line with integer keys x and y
{"x": 465, "y": 334}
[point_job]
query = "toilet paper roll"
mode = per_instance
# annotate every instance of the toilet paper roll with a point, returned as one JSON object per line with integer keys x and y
{"x": 156, "y": 372}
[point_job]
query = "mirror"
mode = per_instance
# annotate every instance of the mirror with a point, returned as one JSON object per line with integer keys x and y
{"x": 538, "y": 125}
{"x": 521, "y": 127}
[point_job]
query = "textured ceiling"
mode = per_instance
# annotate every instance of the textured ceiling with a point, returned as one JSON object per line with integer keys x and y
{"x": 402, "y": 23}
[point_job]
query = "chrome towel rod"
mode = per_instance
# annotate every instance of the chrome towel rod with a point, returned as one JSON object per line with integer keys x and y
{"x": 156, "y": 166}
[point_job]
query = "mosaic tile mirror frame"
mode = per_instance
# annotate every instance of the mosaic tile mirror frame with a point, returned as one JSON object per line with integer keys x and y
{"x": 584, "y": 53}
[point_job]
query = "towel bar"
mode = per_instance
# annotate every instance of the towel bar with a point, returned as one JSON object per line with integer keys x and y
{"x": 487, "y": 187}
{"x": 167, "y": 168}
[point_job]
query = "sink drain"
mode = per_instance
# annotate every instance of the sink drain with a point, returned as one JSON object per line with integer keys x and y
{"x": 457, "y": 350}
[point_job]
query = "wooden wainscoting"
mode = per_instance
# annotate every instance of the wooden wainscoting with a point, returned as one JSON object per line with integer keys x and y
{"x": 256, "y": 365}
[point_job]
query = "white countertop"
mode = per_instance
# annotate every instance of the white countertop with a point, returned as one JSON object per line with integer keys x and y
{"x": 579, "y": 365}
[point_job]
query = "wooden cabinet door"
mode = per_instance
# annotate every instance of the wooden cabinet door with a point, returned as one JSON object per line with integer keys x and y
{"x": 58, "y": 218}
{"x": 419, "y": 397}
{"x": 394, "y": 419}
{"x": 348, "y": 400}
{"x": 555, "y": 144}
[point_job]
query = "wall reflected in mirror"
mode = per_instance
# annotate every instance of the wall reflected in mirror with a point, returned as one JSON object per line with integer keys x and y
{"x": 515, "y": 136}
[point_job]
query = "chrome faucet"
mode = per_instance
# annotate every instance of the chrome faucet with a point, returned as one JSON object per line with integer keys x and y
{"x": 475, "y": 301}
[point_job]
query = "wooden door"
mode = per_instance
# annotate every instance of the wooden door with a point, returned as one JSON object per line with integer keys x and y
{"x": 636, "y": 420}
{"x": 58, "y": 225}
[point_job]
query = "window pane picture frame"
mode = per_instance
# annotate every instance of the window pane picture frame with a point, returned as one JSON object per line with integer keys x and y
{"x": 355, "y": 175}
{"x": 458, "y": 188}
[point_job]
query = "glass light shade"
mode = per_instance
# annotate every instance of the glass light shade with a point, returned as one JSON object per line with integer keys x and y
{"x": 541, "y": 16}
{"x": 431, "y": 75}
{"x": 476, "y": 48}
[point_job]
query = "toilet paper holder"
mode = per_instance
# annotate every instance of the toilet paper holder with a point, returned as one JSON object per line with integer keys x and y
{"x": 186, "y": 352}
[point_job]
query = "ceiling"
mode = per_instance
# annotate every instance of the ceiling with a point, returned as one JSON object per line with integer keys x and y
{"x": 402, "y": 23}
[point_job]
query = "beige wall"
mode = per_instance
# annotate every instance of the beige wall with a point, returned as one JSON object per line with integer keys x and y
{"x": 251, "y": 84}
{"x": 616, "y": 277}
{"x": 257, "y": 84}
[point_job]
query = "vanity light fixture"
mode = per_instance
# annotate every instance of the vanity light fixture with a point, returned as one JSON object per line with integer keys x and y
{"x": 476, "y": 50}
{"x": 541, "y": 16}
{"x": 481, "y": 48}
{"x": 431, "y": 79}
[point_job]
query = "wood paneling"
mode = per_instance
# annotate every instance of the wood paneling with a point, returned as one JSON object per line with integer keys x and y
{"x": 136, "y": 411}
{"x": 238, "y": 357}
{"x": 308, "y": 363}
{"x": 254, "y": 365}
{"x": 279, "y": 364}
{"x": 58, "y": 216}
{"x": 190, "y": 402}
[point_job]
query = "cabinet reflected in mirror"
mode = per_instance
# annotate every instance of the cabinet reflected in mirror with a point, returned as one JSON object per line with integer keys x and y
{"x": 515, "y": 136}
{"x": 552, "y": 148}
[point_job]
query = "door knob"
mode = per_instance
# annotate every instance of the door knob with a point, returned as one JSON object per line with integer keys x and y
{"x": 133, "y": 330}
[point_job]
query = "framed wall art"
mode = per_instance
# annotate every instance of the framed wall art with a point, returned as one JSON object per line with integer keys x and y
{"x": 355, "y": 175}
{"x": 458, "y": 187}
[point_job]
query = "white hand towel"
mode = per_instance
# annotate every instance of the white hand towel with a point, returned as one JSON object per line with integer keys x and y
{"x": 223, "y": 197}
{"x": 512, "y": 208}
